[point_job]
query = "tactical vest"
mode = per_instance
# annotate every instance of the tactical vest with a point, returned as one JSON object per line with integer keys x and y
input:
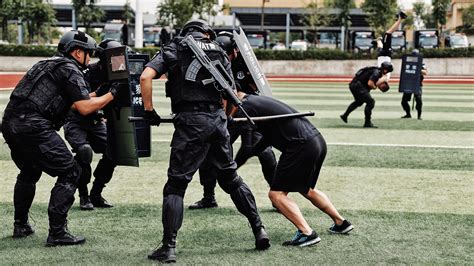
{"x": 186, "y": 74}
{"x": 40, "y": 87}
{"x": 363, "y": 75}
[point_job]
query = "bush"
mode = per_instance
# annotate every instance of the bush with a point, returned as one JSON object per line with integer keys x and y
{"x": 262, "y": 54}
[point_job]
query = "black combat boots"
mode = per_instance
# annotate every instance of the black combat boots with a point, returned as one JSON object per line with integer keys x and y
{"x": 262, "y": 241}
{"x": 204, "y": 203}
{"x": 22, "y": 229}
{"x": 62, "y": 237}
{"x": 85, "y": 203}
{"x": 167, "y": 252}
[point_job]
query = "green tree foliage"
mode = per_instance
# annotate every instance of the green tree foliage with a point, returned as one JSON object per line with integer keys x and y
{"x": 440, "y": 8}
{"x": 315, "y": 17}
{"x": 343, "y": 17}
{"x": 422, "y": 12}
{"x": 87, "y": 13}
{"x": 128, "y": 15}
{"x": 468, "y": 19}
{"x": 177, "y": 12}
{"x": 38, "y": 16}
{"x": 381, "y": 14}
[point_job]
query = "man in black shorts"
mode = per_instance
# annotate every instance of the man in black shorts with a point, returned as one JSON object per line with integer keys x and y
{"x": 303, "y": 151}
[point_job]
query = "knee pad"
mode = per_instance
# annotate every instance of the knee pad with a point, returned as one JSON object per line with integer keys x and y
{"x": 29, "y": 177}
{"x": 72, "y": 176}
{"x": 171, "y": 189}
{"x": 84, "y": 154}
{"x": 230, "y": 185}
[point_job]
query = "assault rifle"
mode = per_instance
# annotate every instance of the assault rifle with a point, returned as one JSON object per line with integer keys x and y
{"x": 218, "y": 72}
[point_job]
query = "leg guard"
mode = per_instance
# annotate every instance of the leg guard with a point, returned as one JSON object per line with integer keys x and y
{"x": 23, "y": 196}
{"x": 172, "y": 215}
{"x": 268, "y": 162}
{"x": 84, "y": 159}
{"x": 368, "y": 109}
{"x": 245, "y": 203}
{"x": 102, "y": 173}
{"x": 61, "y": 200}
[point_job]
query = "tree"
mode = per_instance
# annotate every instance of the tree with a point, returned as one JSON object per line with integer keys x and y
{"x": 128, "y": 15}
{"x": 175, "y": 12}
{"x": 38, "y": 16}
{"x": 315, "y": 17}
{"x": 440, "y": 8}
{"x": 87, "y": 12}
{"x": 381, "y": 13}
{"x": 423, "y": 14}
{"x": 468, "y": 19}
{"x": 343, "y": 18}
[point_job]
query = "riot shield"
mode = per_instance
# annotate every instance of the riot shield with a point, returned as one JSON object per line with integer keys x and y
{"x": 252, "y": 62}
{"x": 126, "y": 142}
{"x": 410, "y": 74}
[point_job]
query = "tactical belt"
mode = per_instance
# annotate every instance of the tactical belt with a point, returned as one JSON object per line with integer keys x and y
{"x": 197, "y": 107}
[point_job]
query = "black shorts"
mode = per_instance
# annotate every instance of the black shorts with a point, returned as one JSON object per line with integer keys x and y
{"x": 299, "y": 166}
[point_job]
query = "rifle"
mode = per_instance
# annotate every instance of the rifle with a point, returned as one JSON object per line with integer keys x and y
{"x": 218, "y": 72}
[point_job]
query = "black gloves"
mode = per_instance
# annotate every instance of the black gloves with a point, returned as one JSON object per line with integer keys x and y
{"x": 153, "y": 118}
{"x": 104, "y": 89}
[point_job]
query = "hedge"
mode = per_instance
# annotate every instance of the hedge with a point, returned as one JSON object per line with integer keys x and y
{"x": 262, "y": 54}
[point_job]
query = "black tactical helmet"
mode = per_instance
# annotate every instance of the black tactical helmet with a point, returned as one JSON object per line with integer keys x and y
{"x": 76, "y": 39}
{"x": 387, "y": 66}
{"x": 106, "y": 44}
{"x": 226, "y": 41}
{"x": 198, "y": 25}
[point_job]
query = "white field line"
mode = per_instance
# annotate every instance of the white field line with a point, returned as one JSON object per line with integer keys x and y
{"x": 376, "y": 145}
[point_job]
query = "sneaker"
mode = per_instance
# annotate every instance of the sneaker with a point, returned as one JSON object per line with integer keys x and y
{"x": 370, "y": 125}
{"x": 100, "y": 202}
{"x": 64, "y": 239}
{"x": 204, "y": 203}
{"x": 406, "y": 116}
{"x": 22, "y": 230}
{"x": 344, "y": 228}
{"x": 302, "y": 240}
{"x": 85, "y": 203}
{"x": 262, "y": 241}
{"x": 344, "y": 118}
{"x": 164, "y": 254}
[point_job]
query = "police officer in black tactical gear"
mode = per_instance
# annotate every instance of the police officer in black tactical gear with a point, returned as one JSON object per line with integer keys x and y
{"x": 37, "y": 108}
{"x": 365, "y": 80}
{"x": 244, "y": 81}
{"x": 200, "y": 133}
{"x": 407, "y": 96}
{"x": 88, "y": 134}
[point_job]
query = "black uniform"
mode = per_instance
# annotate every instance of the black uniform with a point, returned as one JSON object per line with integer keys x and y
{"x": 303, "y": 147}
{"x": 245, "y": 83}
{"x": 36, "y": 109}
{"x": 87, "y": 134}
{"x": 200, "y": 134}
{"x": 361, "y": 91}
{"x": 419, "y": 102}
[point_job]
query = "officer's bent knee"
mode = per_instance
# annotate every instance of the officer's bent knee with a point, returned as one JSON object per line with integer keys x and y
{"x": 230, "y": 185}
{"x": 72, "y": 175}
{"x": 173, "y": 189}
{"x": 84, "y": 154}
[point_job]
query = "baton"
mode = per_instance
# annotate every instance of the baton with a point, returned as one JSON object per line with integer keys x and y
{"x": 163, "y": 119}
{"x": 274, "y": 117}
{"x": 169, "y": 119}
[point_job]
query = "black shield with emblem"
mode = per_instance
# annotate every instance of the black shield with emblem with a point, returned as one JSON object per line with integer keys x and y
{"x": 126, "y": 142}
{"x": 410, "y": 74}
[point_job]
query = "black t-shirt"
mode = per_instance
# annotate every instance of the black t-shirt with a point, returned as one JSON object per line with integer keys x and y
{"x": 277, "y": 133}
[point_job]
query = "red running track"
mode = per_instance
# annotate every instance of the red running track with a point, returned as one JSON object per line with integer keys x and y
{"x": 9, "y": 80}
